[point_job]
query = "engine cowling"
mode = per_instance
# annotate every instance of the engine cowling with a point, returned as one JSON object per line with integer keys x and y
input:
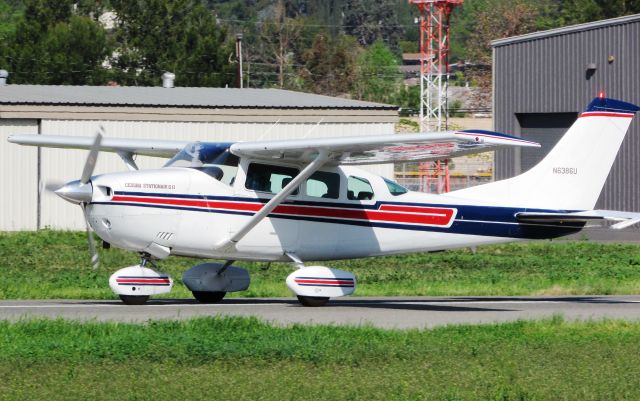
{"x": 321, "y": 281}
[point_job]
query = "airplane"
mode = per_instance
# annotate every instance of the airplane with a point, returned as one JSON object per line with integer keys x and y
{"x": 303, "y": 200}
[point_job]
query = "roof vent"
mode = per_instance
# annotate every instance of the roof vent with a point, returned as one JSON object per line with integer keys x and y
{"x": 4, "y": 74}
{"x": 167, "y": 79}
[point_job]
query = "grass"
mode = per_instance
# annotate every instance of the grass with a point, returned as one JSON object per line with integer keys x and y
{"x": 245, "y": 359}
{"x": 54, "y": 264}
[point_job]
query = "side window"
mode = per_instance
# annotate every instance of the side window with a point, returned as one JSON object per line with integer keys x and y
{"x": 270, "y": 179}
{"x": 323, "y": 185}
{"x": 395, "y": 189}
{"x": 359, "y": 188}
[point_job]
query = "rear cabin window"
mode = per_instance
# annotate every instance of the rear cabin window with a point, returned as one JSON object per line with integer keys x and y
{"x": 394, "y": 188}
{"x": 323, "y": 185}
{"x": 359, "y": 189}
{"x": 268, "y": 178}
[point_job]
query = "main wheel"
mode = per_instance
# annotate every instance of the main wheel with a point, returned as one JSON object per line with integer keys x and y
{"x": 209, "y": 297}
{"x": 313, "y": 301}
{"x": 134, "y": 299}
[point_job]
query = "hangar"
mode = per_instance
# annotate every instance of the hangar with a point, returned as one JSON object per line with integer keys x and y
{"x": 544, "y": 79}
{"x": 205, "y": 114}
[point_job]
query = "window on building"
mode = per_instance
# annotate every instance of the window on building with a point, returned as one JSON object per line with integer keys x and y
{"x": 359, "y": 188}
{"x": 268, "y": 178}
{"x": 324, "y": 185}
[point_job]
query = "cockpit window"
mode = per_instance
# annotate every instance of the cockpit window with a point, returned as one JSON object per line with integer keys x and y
{"x": 394, "y": 188}
{"x": 214, "y": 159}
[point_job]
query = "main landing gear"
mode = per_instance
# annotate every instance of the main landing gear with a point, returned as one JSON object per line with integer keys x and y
{"x": 135, "y": 284}
{"x": 315, "y": 285}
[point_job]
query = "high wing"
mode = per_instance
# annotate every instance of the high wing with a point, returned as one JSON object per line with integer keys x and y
{"x": 358, "y": 150}
{"x": 341, "y": 150}
{"x": 146, "y": 147}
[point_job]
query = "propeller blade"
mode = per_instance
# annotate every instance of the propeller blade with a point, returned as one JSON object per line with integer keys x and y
{"x": 95, "y": 260}
{"x": 90, "y": 164}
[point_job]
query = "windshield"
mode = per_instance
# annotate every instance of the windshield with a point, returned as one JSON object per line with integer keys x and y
{"x": 394, "y": 188}
{"x": 214, "y": 159}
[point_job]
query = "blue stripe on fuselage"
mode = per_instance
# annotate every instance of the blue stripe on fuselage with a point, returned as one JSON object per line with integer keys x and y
{"x": 492, "y": 221}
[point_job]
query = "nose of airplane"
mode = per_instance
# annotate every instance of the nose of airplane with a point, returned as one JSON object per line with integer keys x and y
{"x": 76, "y": 192}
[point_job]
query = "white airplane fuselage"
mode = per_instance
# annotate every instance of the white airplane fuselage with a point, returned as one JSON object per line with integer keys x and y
{"x": 183, "y": 211}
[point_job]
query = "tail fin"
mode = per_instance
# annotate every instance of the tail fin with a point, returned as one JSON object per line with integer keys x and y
{"x": 572, "y": 175}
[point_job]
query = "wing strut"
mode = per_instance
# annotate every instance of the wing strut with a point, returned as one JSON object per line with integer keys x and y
{"x": 320, "y": 159}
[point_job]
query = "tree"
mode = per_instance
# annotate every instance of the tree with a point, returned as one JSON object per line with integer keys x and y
{"x": 52, "y": 44}
{"x": 371, "y": 21}
{"x": 181, "y": 36}
{"x": 278, "y": 36}
{"x": 378, "y": 76}
{"x": 330, "y": 65}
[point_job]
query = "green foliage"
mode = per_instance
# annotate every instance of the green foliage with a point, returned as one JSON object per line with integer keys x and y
{"x": 180, "y": 36}
{"x": 245, "y": 359}
{"x": 53, "y": 44}
{"x": 454, "y": 108}
{"x": 378, "y": 76}
{"x": 10, "y": 13}
{"x": 408, "y": 99}
{"x": 370, "y": 21}
{"x": 330, "y": 65}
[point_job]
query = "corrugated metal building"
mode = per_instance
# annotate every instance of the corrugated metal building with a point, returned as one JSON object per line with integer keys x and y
{"x": 544, "y": 79}
{"x": 205, "y": 114}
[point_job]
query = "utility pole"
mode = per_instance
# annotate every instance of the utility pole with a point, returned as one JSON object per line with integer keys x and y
{"x": 239, "y": 77}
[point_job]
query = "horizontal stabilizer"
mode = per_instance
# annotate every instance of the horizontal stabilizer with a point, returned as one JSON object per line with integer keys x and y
{"x": 622, "y": 219}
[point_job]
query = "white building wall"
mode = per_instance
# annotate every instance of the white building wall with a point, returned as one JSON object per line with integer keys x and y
{"x": 18, "y": 177}
{"x": 61, "y": 165}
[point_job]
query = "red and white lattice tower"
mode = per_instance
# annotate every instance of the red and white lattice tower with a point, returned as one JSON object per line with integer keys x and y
{"x": 434, "y": 67}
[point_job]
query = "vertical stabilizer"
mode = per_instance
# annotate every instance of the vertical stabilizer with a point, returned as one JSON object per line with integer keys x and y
{"x": 572, "y": 175}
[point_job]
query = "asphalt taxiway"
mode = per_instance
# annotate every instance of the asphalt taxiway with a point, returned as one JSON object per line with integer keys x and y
{"x": 386, "y": 312}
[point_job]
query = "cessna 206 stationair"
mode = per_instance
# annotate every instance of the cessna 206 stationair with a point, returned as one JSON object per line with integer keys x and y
{"x": 301, "y": 200}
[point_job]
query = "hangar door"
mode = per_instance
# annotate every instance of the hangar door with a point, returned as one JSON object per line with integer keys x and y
{"x": 544, "y": 128}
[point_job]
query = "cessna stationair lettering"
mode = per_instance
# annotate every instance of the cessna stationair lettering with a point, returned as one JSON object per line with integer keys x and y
{"x": 301, "y": 200}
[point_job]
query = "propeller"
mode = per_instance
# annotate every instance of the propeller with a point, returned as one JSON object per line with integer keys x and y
{"x": 80, "y": 192}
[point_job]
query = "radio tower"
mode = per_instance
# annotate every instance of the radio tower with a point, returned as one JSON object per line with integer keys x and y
{"x": 434, "y": 69}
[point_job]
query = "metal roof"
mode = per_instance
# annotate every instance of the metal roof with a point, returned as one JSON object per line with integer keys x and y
{"x": 566, "y": 30}
{"x": 221, "y": 98}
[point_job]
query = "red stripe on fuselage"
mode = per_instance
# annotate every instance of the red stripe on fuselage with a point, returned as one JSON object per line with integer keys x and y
{"x": 386, "y": 213}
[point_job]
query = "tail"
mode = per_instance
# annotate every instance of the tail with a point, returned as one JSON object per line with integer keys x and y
{"x": 572, "y": 175}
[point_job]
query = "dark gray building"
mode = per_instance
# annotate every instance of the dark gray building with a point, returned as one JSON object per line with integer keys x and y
{"x": 544, "y": 79}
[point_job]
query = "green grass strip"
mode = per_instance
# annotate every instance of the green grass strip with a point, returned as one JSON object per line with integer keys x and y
{"x": 245, "y": 359}
{"x": 55, "y": 264}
